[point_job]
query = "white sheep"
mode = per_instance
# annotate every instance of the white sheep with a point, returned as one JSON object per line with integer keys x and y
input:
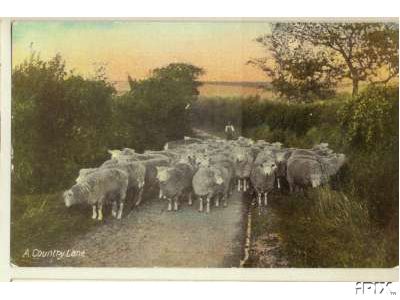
{"x": 98, "y": 189}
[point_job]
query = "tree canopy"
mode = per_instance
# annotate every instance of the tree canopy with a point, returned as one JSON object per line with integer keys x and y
{"x": 356, "y": 51}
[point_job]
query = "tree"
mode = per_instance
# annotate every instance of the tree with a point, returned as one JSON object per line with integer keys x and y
{"x": 155, "y": 109}
{"x": 296, "y": 73}
{"x": 357, "y": 51}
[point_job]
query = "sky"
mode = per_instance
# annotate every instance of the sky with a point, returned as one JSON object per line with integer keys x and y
{"x": 222, "y": 48}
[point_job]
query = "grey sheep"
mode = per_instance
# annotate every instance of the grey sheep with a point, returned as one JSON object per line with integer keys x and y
{"x": 243, "y": 159}
{"x": 212, "y": 180}
{"x": 304, "y": 171}
{"x": 136, "y": 177}
{"x": 83, "y": 173}
{"x": 207, "y": 183}
{"x": 262, "y": 178}
{"x": 281, "y": 157}
{"x": 98, "y": 189}
{"x": 176, "y": 181}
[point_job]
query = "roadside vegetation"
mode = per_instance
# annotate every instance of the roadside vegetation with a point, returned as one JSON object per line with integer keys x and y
{"x": 62, "y": 122}
{"x": 354, "y": 221}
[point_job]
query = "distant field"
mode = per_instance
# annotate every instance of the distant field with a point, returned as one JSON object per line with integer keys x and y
{"x": 234, "y": 89}
{"x": 218, "y": 89}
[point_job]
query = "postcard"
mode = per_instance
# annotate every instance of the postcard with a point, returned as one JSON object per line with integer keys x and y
{"x": 203, "y": 146}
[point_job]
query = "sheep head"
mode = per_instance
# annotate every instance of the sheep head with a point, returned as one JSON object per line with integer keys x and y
{"x": 73, "y": 196}
{"x": 268, "y": 168}
{"x": 316, "y": 180}
{"x": 115, "y": 154}
{"x": 162, "y": 173}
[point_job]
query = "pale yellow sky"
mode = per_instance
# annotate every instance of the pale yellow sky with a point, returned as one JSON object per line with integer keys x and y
{"x": 222, "y": 48}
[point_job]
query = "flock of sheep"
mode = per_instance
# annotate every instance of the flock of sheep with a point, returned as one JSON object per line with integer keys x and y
{"x": 207, "y": 170}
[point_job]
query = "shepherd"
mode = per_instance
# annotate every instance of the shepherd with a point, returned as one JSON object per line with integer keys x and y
{"x": 230, "y": 131}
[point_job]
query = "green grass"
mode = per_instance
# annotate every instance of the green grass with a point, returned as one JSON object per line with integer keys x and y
{"x": 325, "y": 228}
{"x": 43, "y": 222}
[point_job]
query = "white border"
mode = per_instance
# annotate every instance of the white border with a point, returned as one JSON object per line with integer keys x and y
{"x": 238, "y": 274}
{"x": 5, "y": 161}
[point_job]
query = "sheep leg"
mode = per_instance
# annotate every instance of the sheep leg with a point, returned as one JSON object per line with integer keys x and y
{"x": 100, "y": 212}
{"x": 225, "y": 201}
{"x": 239, "y": 182}
{"x": 279, "y": 183}
{"x": 208, "y": 204}
{"x": 190, "y": 201}
{"x": 169, "y": 204}
{"x": 114, "y": 209}
{"x": 176, "y": 204}
{"x": 121, "y": 208}
{"x": 259, "y": 199}
{"x": 244, "y": 184}
{"x": 139, "y": 197}
{"x": 160, "y": 194}
{"x": 265, "y": 199}
{"x": 201, "y": 204}
{"x": 217, "y": 201}
{"x": 94, "y": 215}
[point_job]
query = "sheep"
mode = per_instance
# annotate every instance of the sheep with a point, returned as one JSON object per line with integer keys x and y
{"x": 213, "y": 179}
{"x": 98, "y": 189}
{"x": 225, "y": 165}
{"x": 186, "y": 140}
{"x": 174, "y": 182}
{"x": 243, "y": 159}
{"x": 262, "y": 178}
{"x": 304, "y": 171}
{"x": 206, "y": 184}
{"x": 115, "y": 154}
{"x": 83, "y": 173}
{"x": 151, "y": 181}
{"x": 172, "y": 155}
{"x": 322, "y": 149}
{"x": 332, "y": 164}
{"x": 282, "y": 157}
{"x": 264, "y": 156}
{"x": 136, "y": 181}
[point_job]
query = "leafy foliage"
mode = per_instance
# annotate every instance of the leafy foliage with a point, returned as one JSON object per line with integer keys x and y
{"x": 354, "y": 222}
{"x": 63, "y": 122}
{"x": 60, "y": 123}
{"x": 356, "y": 51}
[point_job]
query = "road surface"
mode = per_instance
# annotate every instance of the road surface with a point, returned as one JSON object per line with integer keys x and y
{"x": 151, "y": 236}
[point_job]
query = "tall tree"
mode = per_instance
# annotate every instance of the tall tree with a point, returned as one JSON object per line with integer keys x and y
{"x": 297, "y": 73}
{"x": 364, "y": 51}
{"x": 357, "y": 51}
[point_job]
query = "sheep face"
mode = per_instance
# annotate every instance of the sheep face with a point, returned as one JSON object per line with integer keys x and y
{"x": 162, "y": 174}
{"x": 114, "y": 153}
{"x": 218, "y": 179}
{"x": 316, "y": 180}
{"x": 69, "y": 198}
{"x": 269, "y": 168}
{"x": 203, "y": 161}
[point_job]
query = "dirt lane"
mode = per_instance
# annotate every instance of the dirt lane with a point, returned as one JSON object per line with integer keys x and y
{"x": 150, "y": 236}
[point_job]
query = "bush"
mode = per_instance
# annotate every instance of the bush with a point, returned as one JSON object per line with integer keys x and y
{"x": 60, "y": 123}
{"x": 371, "y": 119}
{"x": 326, "y": 228}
